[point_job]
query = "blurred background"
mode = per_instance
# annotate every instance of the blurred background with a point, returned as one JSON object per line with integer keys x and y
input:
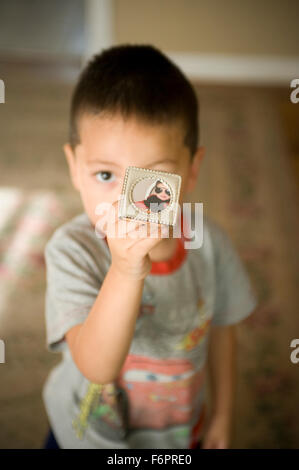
{"x": 241, "y": 58}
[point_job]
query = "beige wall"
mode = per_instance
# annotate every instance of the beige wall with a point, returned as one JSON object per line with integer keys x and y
{"x": 254, "y": 27}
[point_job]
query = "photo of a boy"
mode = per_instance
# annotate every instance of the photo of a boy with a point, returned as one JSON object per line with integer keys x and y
{"x": 132, "y": 106}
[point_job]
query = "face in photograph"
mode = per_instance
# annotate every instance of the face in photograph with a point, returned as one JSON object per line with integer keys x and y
{"x": 156, "y": 199}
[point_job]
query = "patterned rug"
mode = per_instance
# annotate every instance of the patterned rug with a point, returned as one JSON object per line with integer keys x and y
{"x": 245, "y": 184}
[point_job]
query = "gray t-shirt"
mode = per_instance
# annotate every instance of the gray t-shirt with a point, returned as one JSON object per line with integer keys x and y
{"x": 159, "y": 399}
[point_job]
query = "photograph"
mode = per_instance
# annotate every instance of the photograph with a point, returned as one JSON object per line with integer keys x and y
{"x": 149, "y": 192}
{"x": 152, "y": 197}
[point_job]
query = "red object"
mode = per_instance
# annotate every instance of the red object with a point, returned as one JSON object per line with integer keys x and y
{"x": 171, "y": 265}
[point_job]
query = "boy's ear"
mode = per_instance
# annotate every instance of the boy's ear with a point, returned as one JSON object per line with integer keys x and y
{"x": 194, "y": 169}
{"x": 71, "y": 160}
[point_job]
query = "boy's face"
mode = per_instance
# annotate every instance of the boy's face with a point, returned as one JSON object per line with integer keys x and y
{"x": 109, "y": 145}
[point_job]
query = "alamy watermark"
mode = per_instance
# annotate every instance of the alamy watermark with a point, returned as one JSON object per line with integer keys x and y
{"x": 294, "y": 96}
{"x": 2, "y": 351}
{"x": 295, "y": 354}
{"x": 134, "y": 228}
{"x": 2, "y": 91}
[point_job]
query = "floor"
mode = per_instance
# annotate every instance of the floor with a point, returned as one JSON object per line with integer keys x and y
{"x": 249, "y": 183}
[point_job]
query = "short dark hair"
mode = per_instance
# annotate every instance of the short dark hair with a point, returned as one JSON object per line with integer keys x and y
{"x": 135, "y": 80}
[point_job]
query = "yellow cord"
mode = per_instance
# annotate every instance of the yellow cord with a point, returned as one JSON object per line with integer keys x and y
{"x": 80, "y": 423}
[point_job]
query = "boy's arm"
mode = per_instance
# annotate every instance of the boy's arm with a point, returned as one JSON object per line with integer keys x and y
{"x": 222, "y": 376}
{"x": 100, "y": 345}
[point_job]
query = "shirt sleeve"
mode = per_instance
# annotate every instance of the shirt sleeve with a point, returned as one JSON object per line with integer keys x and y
{"x": 235, "y": 298}
{"x": 71, "y": 290}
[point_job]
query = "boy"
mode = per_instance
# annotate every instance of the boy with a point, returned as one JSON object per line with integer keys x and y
{"x": 144, "y": 317}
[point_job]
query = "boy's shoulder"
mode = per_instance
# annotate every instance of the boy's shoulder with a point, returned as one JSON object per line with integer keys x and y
{"x": 235, "y": 296}
{"x": 77, "y": 238}
{"x": 219, "y": 246}
{"x": 214, "y": 227}
{"x": 214, "y": 237}
{"x": 79, "y": 225}
{"x": 219, "y": 236}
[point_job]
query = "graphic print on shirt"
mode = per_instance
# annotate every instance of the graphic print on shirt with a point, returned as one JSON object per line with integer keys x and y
{"x": 194, "y": 337}
{"x": 146, "y": 309}
{"x": 108, "y": 407}
{"x": 161, "y": 392}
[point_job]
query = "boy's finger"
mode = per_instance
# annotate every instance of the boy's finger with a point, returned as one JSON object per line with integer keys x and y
{"x": 123, "y": 228}
{"x": 140, "y": 231}
{"x": 118, "y": 226}
{"x": 149, "y": 230}
{"x": 144, "y": 244}
{"x": 108, "y": 214}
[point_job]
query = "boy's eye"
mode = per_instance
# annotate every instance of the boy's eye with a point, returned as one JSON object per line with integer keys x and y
{"x": 105, "y": 176}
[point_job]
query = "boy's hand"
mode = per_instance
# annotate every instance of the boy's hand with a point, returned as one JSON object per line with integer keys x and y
{"x": 217, "y": 435}
{"x": 130, "y": 242}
